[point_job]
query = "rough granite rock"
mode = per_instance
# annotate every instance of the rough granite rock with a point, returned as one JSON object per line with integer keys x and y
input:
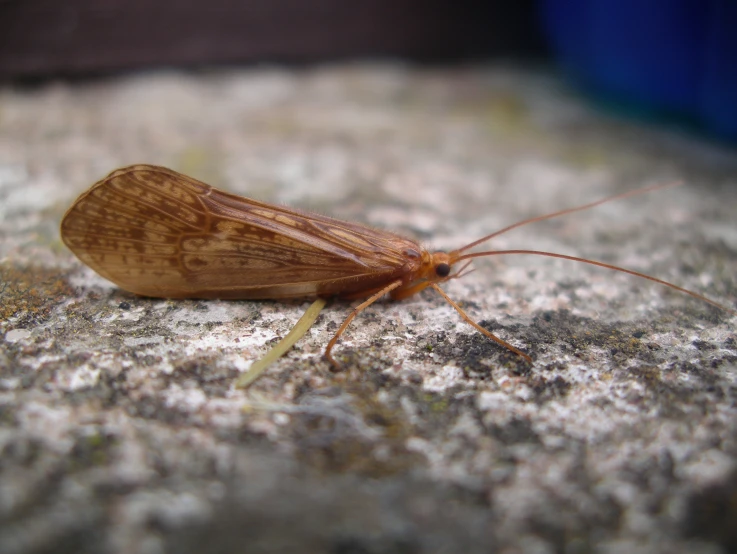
{"x": 121, "y": 432}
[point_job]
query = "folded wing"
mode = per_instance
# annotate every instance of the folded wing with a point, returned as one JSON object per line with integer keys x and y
{"x": 155, "y": 232}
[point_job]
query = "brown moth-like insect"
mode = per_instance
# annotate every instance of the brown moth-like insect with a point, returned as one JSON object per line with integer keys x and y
{"x": 155, "y": 232}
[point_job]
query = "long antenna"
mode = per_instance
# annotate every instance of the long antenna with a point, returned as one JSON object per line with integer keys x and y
{"x": 565, "y": 212}
{"x": 599, "y": 264}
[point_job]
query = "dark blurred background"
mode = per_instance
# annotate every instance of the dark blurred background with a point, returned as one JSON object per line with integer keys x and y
{"x": 669, "y": 59}
{"x": 42, "y": 37}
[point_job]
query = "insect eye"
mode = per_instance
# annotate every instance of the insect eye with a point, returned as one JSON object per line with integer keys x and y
{"x": 442, "y": 270}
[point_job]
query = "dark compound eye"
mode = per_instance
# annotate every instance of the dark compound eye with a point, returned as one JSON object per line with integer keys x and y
{"x": 442, "y": 270}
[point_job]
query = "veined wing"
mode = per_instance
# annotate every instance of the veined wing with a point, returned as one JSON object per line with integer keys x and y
{"x": 156, "y": 232}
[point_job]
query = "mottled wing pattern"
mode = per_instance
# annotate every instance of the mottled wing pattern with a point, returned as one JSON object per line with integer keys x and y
{"x": 156, "y": 232}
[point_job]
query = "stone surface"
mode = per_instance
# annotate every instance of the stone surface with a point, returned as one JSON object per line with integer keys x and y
{"x": 120, "y": 430}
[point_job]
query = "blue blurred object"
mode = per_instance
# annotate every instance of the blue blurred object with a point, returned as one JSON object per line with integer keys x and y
{"x": 667, "y": 56}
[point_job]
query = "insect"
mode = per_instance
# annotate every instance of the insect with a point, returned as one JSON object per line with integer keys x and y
{"x": 158, "y": 233}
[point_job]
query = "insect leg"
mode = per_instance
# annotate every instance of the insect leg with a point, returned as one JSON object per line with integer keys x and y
{"x": 358, "y": 309}
{"x": 403, "y": 293}
{"x": 362, "y": 294}
{"x": 478, "y": 327}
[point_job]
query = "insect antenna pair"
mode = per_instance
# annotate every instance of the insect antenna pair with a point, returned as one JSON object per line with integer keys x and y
{"x": 159, "y": 233}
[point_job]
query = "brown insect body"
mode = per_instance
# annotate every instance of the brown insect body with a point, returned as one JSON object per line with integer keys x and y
{"x": 155, "y": 232}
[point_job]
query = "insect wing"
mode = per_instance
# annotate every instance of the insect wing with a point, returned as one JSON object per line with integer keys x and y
{"x": 156, "y": 232}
